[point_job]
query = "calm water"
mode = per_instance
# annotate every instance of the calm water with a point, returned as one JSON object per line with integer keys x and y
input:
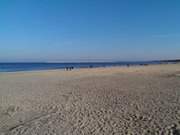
{"x": 14, "y": 67}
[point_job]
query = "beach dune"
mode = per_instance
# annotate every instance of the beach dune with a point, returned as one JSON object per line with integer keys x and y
{"x": 97, "y": 101}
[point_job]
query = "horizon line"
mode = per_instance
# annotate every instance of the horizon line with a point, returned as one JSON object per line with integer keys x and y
{"x": 113, "y": 61}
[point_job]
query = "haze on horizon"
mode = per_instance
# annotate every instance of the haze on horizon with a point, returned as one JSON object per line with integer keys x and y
{"x": 89, "y": 30}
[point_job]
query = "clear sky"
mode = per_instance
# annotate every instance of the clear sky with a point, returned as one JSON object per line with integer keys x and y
{"x": 89, "y": 30}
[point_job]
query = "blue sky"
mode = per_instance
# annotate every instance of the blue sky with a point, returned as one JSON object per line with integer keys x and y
{"x": 89, "y": 30}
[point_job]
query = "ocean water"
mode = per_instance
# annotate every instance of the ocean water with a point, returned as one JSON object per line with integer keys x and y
{"x": 14, "y": 67}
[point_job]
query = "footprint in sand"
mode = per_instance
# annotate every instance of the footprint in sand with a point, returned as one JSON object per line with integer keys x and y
{"x": 11, "y": 110}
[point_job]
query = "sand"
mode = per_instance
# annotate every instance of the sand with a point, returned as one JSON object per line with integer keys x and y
{"x": 101, "y": 101}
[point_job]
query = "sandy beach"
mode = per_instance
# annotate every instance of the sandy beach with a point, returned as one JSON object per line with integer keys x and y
{"x": 139, "y": 100}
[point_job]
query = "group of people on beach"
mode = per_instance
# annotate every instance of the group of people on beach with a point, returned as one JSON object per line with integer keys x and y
{"x": 128, "y": 65}
{"x": 91, "y": 66}
{"x": 69, "y": 68}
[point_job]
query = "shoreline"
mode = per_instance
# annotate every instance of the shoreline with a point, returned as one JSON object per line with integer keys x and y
{"x": 80, "y": 68}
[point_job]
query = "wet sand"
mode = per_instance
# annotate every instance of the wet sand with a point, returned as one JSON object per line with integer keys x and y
{"x": 100, "y": 101}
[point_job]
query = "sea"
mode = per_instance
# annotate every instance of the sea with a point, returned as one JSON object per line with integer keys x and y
{"x": 15, "y": 67}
